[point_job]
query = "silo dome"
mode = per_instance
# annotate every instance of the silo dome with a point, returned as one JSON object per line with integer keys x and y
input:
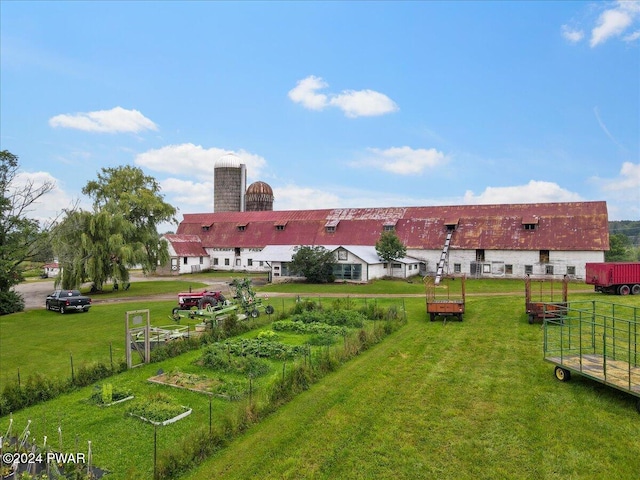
{"x": 228, "y": 160}
{"x": 259, "y": 197}
{"x": 229, "y": 183}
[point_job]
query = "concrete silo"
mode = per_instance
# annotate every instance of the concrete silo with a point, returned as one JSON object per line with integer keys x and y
{"x": 229, "y": 184}
{"x": 259, "y": 197}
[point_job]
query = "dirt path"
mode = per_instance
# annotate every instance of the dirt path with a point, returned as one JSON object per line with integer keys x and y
{"x": 34, "y": 292}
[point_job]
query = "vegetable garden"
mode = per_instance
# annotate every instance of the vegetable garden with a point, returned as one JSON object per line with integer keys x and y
{"x": 226, "y": 382}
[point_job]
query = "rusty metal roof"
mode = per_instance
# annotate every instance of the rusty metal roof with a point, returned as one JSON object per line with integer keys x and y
{"x": 557, "y": 226}
{"x": 186, "y": 245}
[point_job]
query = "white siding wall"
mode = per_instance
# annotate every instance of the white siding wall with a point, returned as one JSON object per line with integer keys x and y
{"x": 495, "y": 260}
{"x": 228, "y": 260}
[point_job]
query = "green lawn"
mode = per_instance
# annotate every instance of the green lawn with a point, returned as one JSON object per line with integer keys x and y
{"x": 458, "y": 400}
{"x": 448, "y": 400}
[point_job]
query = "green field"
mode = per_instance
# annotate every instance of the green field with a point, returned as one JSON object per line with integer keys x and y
{"x": 470, "y": 399}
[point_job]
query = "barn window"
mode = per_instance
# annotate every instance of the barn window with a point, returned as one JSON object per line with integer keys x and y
{"x": 279, "y": 227}
{"x": 479, "y": 255}
{"x": 530, "y": 222}
{"x": 549, "y": 270}
{"x": 226, "y": 262}
{"x": 331, "y": 226}
{"x": 451, "y": 224}
{"x": 571, "y": 270}
{"x": 544, "y": 256}
{"x": 389, "y": 226}
{"x": 250, "y": 262}
{"x": 215, "y": 261}
{"x": 242, "y": 228}
{"x": 185, "y": 260}
{"x": 201, "y": 260}
{"x": 508, "y": 269}
{"x": 528, "y": 269}
{"x": 457, "y": 268}
{"x": 205, "y": 228}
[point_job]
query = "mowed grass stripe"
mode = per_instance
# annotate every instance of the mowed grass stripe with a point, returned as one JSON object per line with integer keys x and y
{"x": 454, "y": 400}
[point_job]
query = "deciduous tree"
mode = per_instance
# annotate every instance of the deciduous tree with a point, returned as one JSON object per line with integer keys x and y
{"x": 314, "y": 263}
{"x": 119, "y": 234}
{"x": 389, "y": 247}
{"x": 127, "y": 191}
{"x": 21, "y": 238}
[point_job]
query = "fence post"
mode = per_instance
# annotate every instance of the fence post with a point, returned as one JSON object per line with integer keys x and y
{"x": 155, "y": 451}
{"x": 73, "y": 379}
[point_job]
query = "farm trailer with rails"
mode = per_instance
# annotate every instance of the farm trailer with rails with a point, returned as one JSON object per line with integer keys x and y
{"x": 542, "y": 296}
{"x": 598, "y": 340}
{"x": 446, "y": 305}
{"x": 622, "y": 278}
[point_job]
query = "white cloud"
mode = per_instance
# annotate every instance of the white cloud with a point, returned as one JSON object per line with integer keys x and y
{"x": 632, "y": 36}
{"x": 628, "y": 179}
{"x": 305, "y": 93}
{"x": 292, "y": 197}
{"x": 193, "y": 161}
{"x": 354, "y": 103}
{"x": 622, "y": 192}
{"x": 116, "y": 120}
{"x": 402, "y": 160}
{"x": 533, "y": 192}
{"x": 188, "y": 192}
{"x": 363, "y": 103}
{"x": 571, "y": 35}
{"x": 615, "y": 21}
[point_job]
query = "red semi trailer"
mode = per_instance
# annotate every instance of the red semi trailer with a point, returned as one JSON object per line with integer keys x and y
{"x": 622, "y": 278}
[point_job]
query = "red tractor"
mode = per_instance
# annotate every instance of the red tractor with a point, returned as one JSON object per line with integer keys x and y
{"x": 200, "y": 300}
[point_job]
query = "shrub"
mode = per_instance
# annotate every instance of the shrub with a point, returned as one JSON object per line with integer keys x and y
{"x": 304, "y": 306}
{"x": 11, "y": 302}
{"x": 91, "y": 373}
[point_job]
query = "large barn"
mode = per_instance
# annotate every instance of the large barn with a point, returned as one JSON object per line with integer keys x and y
{"x": 510, "y": 241}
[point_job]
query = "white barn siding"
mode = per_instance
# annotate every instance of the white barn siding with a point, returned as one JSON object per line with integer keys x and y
{"x": 495, "y": 262}
{"x": 226, "y": 259}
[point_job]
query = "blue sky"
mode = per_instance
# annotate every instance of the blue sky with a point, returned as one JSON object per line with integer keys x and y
{"x": 333, "y": 104}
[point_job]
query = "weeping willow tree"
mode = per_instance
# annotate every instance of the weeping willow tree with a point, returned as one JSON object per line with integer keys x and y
{"x": 120, "y": 233}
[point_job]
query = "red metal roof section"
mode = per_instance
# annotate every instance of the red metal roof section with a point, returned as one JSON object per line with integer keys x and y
{"x": 560, "y": 226}
{"x": 187, "y": 245}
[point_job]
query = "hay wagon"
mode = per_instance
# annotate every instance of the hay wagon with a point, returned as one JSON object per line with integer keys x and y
{"x": 598, "y": 340}
{"x": 544, "y": 298}
{"x": 449, "y": 304}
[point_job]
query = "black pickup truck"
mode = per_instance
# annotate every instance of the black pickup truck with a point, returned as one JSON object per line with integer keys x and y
{"x": 65, "y": 301}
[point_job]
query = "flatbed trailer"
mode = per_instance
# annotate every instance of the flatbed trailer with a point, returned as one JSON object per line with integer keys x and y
{"x": 598, "y": 340}
{"x": 542, "y": 296}
{"x": 449, "y": 305}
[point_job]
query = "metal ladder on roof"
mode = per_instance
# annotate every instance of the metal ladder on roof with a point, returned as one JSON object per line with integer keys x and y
{"x": 443, "y": 257}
